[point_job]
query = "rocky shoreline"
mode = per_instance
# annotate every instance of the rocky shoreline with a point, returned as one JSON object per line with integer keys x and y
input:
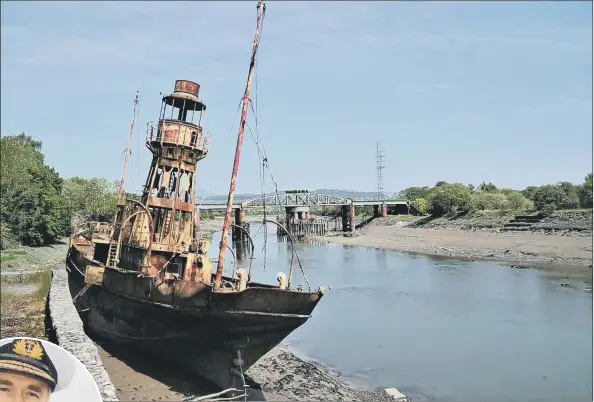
{"x": 564, "y": 223}
{"x": 285, "y": 376}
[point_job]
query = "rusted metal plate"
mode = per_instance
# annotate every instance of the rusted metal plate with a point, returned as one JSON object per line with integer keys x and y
{"x": 187, "y": 87}
{"x": 94, "y": 274}
{"x": 166, "y": 203}
{"x": 170, "y": 135}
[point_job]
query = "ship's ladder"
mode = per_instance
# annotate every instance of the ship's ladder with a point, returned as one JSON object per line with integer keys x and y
{"x": 112, "y": 254}
{"x": 167, "y": 223}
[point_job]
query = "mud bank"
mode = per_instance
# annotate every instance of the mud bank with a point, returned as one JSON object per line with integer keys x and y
{"x": 23, "y": 304}
{"x": 566, "y": 255}
{"x": 285, "y": 376}
{"x": 281, "y": 374}
{"x": 211, "y": 225}
{"x": 70, "y": 335}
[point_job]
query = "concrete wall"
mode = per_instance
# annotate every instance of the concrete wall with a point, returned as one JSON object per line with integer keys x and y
{"x": 70, "y": 334}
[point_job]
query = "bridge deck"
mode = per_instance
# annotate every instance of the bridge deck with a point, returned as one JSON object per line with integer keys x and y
{"x": 221, "y": 206}
{"x": 374, "y": 202}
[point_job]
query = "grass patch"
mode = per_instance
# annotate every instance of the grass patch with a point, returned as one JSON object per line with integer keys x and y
{"x": 11, "y": 254}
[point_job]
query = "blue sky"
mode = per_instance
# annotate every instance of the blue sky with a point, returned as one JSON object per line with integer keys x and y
{"x": 467, "y": 91}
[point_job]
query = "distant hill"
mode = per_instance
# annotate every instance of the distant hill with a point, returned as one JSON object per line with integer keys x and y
{"x": 219, "y": 198}
{"x": 359, "y": 195}
{"x": 204, "y": 193}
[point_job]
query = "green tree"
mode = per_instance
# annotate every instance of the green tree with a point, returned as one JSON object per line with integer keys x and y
{"x": 572, "y": 194}
{"x": 529, "y": 192}
{"x": 556, "y": 196}
{"x": 586, "y": 192}
{"x": 413, "y": 193}
{"x": 487, "y": 188}
{"x": 31, "y": 206}
{"x": 449, "y": 198}
{"x": 421, "y": 205}
{"x": 517, "y": 201}
{"x": 91, "y": 197}
{"x": 488, "y": 201}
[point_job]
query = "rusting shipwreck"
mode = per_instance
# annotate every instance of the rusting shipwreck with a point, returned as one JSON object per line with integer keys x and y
{"x": 145, "y": 280}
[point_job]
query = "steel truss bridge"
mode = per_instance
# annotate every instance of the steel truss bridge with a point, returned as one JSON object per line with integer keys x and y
{"x": 299, "y": 198}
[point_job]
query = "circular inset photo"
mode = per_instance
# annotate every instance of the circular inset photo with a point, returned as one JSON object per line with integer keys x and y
{"x": 38, "y": 370}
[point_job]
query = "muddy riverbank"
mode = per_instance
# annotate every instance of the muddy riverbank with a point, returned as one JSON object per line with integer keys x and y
{"x": 24, "y": 288}
{"x": 23, "y": 305}
{"x": 569, "y": 256}
{"x": 282, "y": 375}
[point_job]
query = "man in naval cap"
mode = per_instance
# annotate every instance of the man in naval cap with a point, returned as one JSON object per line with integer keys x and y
{"x": 27, "y": 373}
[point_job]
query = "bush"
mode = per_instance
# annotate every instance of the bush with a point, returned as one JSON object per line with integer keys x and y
{"x": 489, "y": 201}
{"x": 487, "y": 188}
{"x": 563, "y": 195}
{"x": 412, "y": 193}
{"x": 421, "y": 205}
{"x": 91, "y": 197}
{"x": 517, "y": 201}
{"x": 450, "y": 198}
{"x": 7, "y": 239}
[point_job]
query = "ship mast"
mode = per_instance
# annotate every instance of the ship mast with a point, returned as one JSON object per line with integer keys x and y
{"x": 246, "y": 99}
{"x": 127, "y": 153}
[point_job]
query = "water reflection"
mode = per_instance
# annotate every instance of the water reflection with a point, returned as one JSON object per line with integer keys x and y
{"x": 439, "y": 328}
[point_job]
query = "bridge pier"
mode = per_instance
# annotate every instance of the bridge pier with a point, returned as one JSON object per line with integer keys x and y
{"x": 238, "y": 234}
{"x": 297, "y": 214}
{"x": 344, "y": 214}
{"x": 299, "y": 222}
{"x": 352, "y": 216}
{"x": 384, "y": 210}
{"x": 348, "y": 218}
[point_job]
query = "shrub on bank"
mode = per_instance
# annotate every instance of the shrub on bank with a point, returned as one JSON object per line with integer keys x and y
{"x": 421, "y": 205}
{"x": 449, "y": 198}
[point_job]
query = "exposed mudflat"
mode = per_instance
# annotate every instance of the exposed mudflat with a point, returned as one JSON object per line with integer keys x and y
{"x": 211, "y": 225}
{"x": 285, "y": 376}
{"x": 515, "y": 247}
{"x": 566, "y": 256}
{"x": 281, "y": 374}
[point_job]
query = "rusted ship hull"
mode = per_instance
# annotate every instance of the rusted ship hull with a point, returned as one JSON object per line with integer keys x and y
{"x": 202, "y": 333}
